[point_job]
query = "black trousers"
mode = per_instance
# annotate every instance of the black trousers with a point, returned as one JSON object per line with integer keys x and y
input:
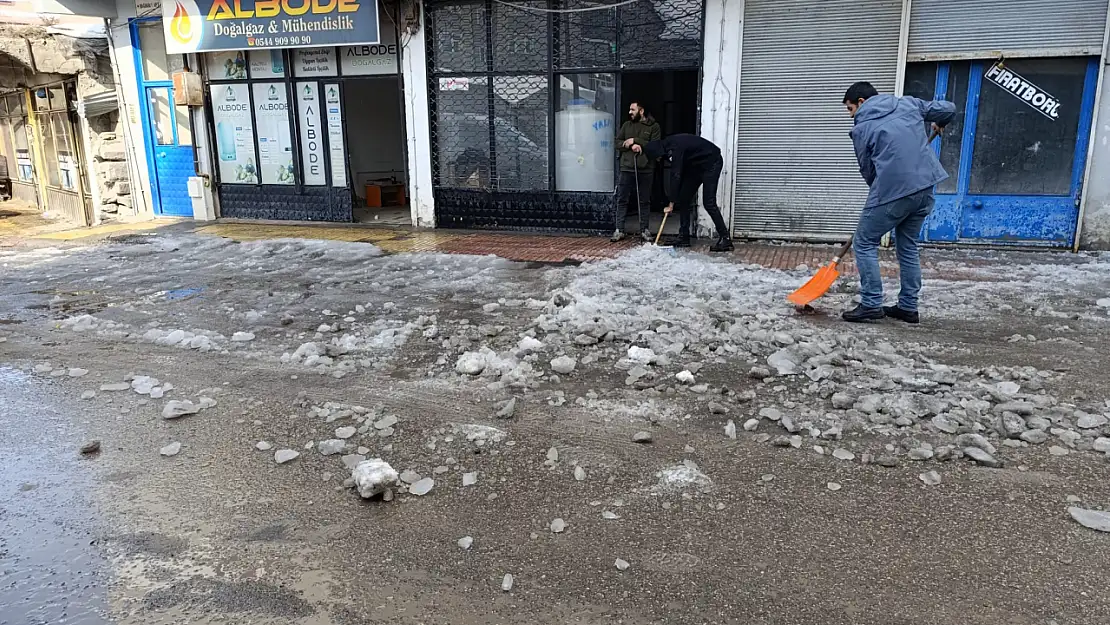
{"x": 626, "y": 190}
{"x": 707, "y": 179}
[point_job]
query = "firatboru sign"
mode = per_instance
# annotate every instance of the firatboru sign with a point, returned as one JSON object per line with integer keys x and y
{"x": 1038, "y": 99}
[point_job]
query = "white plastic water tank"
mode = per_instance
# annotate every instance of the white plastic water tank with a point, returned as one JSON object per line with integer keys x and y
{"x": 584, "y": 143}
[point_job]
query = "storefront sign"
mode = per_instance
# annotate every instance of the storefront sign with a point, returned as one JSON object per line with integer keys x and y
{"x": 312, "y": 139}
{"x": 148, "y": 8}
{"x": 338, "y": 152}
{"x": 205, "y": 25}
{"x": 231, "y": 111}
{"x": 314, "y": 62}
{"x": 376, "y": 59}
{"x": 275, "y": 148}
{"x": 1037, "y": 98}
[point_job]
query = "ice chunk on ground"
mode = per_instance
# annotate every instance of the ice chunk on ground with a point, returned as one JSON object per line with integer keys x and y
{"x": 263, "y": 446}
{"x": 170, "y": 450}
{"x": 558, "y": 526}
{"x": 242, "y": 337}
{"x": 642, "y": 355}
{"x": 471, "y": 363}
{"x": 529, "y": 344}
{"x": 682, "y": 476}
{"x": 331, "y": 447}
{"x": 116, "y": 386}
{"x": 175, "y": 409}
{"x": 470, "y": 479}
{"x": 1091, "y": 519}
{"x": 423, "y": 487}
{"x": 930, "y": 478}
{"x": 622, "y": 565}
{"x": 563, "y": 365}
{"x": 373, "y": 477}
{"x": 88, "y": 394}
{"x": 345, "y": 432}
{"x": 507, "y": 582}
{"x": 77, "y": 372}
{"x": 684, "y": 377}
{"x": 282, "y": 456}
{"x": 465, "y": 542}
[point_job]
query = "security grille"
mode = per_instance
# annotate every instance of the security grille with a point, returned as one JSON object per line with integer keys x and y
{"x": 499, "y": 70}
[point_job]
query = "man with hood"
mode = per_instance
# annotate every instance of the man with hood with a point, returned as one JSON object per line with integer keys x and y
{"x": 897, "y": 163}
{"x": 695, "y": 162}
{"x": 636, "y": 170}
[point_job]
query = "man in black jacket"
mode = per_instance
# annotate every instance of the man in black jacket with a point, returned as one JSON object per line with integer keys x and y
{"x": 636, "y": 170}
{"x": 695, "y": 162}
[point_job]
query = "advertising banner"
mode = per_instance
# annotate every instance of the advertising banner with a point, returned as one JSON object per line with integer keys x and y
{"x": 209, "y": 25}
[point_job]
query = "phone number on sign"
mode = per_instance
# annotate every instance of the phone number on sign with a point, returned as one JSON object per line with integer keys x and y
{"x": 274, "y": 42}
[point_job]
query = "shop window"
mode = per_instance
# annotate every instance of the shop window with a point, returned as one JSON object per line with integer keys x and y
{"x": 520, "y": 105}
{"x": 1018, "y": 150}
{"x": 50, "y": 156}
{"x": 662, "y": 33}
{"x": 463, "y": 132}
{"x": 23, "y": 158}
{"x": 231, "y": 114}
{"x": 271, "y": 129}
{"x": 184, "y": 124}
{"x": 460, "y": 37}
{"x": 588, "y": 39}
{"x": 267, "y": 64}
{"x": 160, "y": 116}
{"x": 226, "y": 65}
{"x": 951, "y": 141}
{"x": 67, "y": 154}
{"x": 157, "y": 65}
{"x": 584, "y": 131}
{"x": 516, "y": 46}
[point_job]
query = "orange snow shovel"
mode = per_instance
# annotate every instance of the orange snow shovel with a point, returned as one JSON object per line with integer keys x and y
{"x": 820, "y": 283}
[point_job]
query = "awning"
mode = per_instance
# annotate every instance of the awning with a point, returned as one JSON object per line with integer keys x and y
{"x": 97, "y": 104}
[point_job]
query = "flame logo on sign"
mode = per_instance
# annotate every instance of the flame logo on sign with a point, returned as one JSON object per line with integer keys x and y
{"x": 181, "y": 27}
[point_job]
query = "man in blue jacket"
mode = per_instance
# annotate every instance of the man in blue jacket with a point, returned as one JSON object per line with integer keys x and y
{"x": 897, "y": 163}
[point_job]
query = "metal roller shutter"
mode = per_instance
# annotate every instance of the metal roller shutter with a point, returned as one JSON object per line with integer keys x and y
{"x": 985, "y": 28}
{"x": 796, "y": 173}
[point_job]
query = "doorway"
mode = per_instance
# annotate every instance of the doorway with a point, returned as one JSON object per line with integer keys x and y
{"x": 376, "y": 155}
{"x": 167, "y": 127}
{"x": 672, "y": 98}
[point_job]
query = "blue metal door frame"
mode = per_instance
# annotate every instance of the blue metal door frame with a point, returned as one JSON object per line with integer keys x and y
{"x": 149, "y": 139}
{"x": 1049, "y": 220}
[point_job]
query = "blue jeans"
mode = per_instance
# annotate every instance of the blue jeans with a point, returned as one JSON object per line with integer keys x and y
{"x": 905, "y": 217}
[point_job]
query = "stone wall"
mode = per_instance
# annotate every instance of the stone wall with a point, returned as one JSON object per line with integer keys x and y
{"x": 109, "y": 162}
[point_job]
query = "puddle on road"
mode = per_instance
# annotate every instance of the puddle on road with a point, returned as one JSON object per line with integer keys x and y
{"x": 51, "y": 571}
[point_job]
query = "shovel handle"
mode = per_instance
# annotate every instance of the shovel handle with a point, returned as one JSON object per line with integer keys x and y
{"x": 842, "y": 251}
{"x": 665, "y": 214}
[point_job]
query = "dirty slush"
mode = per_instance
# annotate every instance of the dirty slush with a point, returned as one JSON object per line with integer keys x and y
{"x": 291, "y": 431}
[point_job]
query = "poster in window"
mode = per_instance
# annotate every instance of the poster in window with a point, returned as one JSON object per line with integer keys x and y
{"x": 312, "y": 136}
{"x": 227, "y": 65}
{"x": 376, "y": 59}
{"x": 267, "y": 64}
{"x": 308, "y": 62}
{"x": 275, "y": 146}
{"x": 336, "y": 148}
{"x": 231, "y": 112}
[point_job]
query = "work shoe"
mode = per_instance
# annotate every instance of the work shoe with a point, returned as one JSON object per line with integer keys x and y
{"x": 682, "y": 241}
{"x": 723, "y": 244}
{"x": 894, "y": 312}
{"x": 617, "y": 236}
{"x": 647, "y": 237}
{"x": 859, "y": 313}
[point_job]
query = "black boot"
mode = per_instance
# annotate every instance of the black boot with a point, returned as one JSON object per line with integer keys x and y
{"x": 723, "y": 244}
{"x": 683, "y": 241}
{"x": 895, "y": 312}
{"x": 859, "y": 313}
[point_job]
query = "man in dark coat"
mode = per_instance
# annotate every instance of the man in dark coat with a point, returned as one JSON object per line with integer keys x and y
{"x": 695, "y": 162}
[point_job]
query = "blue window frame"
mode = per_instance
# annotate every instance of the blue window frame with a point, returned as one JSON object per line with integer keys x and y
{"x": 1015, "y": 174}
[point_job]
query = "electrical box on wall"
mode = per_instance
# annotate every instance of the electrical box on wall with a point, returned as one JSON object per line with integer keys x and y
{"x": 187, "y": 88}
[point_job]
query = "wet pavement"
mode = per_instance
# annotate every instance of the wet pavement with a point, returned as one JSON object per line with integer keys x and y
{"x": 52, "y": 571}
{"x": 220, "y": 533}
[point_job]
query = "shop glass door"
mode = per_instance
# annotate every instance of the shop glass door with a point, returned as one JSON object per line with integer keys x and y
{"x": 1015, "y": 173}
